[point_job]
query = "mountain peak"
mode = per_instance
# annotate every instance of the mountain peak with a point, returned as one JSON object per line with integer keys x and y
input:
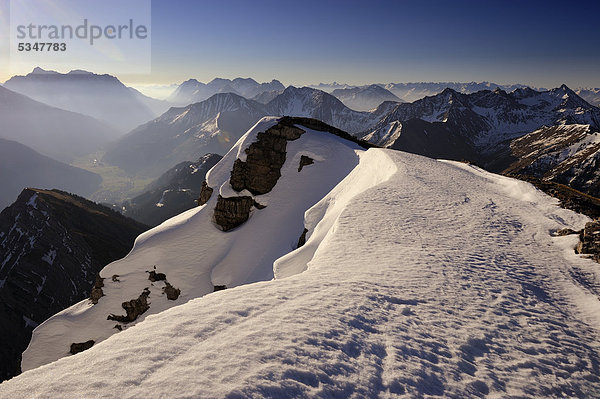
{"x": 219, "y": 81}
{"x": 80, "y": 72}
{"x": 449, "y": 91}
{"x": 566, "y": 89}
{"x": 244, "y": 80}
{"x": 40, "y": 71}
{"x": 190, "y": 81}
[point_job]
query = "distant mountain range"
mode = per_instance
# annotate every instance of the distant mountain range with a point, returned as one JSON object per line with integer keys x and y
{"x": 192, "y": 91}
{"x": 52, "y": 245}
{"x": 317, "y": 104}
{"x": 21, "y": 167}
{"x": 592, "y": 96}
{"x": 364, "y": 98}
{"x": 214, "y": 125}
{"x": 486, "y": 118}
{"x": 410, "y": 92}
{"x": 477, "y": 127}
{"x": 103, "y": 97}
{"x": 60, "y": 134}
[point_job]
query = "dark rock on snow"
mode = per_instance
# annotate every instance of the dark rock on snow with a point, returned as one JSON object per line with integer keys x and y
{"x": 133, "y": 308}
{"x": 305, "y": 161}
{"x": 205, "y": 193}
{"x": 590, "y": 240}
{"x": 232, "y": 212}
{"x": 97, "y": 292}
{"x": 172, "y": 292}
{"x": 302, "y": 239}
{"x": 81, "y": 346}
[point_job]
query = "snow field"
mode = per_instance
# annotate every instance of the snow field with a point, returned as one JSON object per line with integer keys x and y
{"x": 441, "y": 280}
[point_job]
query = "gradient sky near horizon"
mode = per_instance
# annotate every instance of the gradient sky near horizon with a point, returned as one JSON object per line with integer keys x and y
{"x": 540, "y": 43}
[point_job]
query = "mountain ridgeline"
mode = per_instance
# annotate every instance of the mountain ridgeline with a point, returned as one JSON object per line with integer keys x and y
{"x": 192, "y": 91}
{"x": 359, "y": 251}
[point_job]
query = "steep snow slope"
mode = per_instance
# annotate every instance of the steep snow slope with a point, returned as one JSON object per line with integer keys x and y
{"x": 440, "y": 280}
{"x": 195, "y": 255}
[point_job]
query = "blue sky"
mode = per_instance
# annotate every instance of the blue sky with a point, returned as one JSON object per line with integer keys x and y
{"x": 541, "y": 43}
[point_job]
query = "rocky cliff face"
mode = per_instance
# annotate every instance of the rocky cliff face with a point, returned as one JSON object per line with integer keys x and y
{"x": 52, "y": 245}
{"x": 567, "y": 154}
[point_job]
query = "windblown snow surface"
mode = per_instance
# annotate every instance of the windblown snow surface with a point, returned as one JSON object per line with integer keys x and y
{"x": 419, "y": 278}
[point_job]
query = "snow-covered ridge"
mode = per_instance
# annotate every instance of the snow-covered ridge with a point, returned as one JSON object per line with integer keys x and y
{"x": 432, "y": 282}
{"x": 195, "y": 255}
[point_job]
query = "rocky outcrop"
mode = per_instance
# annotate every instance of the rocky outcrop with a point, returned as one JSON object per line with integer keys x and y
{"x": 565, "y": 232}
{"x": 305, "y": 161}
{"x": 264, "y": 159}
{"x": 590, "y": 240}
{"x": 219, "y": 288}
{"x": 97, "y": 292}
{"x": 172, "y": 292}
{"x": 205, "y": 193}
{"x": 232, "y": 212}
{"x": 133, "y": 308}
{"x": 81, "y": 346}
{"x": 153, "y": 275}
{"x": 302, "y": 239}
{"x": 261, "y": 170}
